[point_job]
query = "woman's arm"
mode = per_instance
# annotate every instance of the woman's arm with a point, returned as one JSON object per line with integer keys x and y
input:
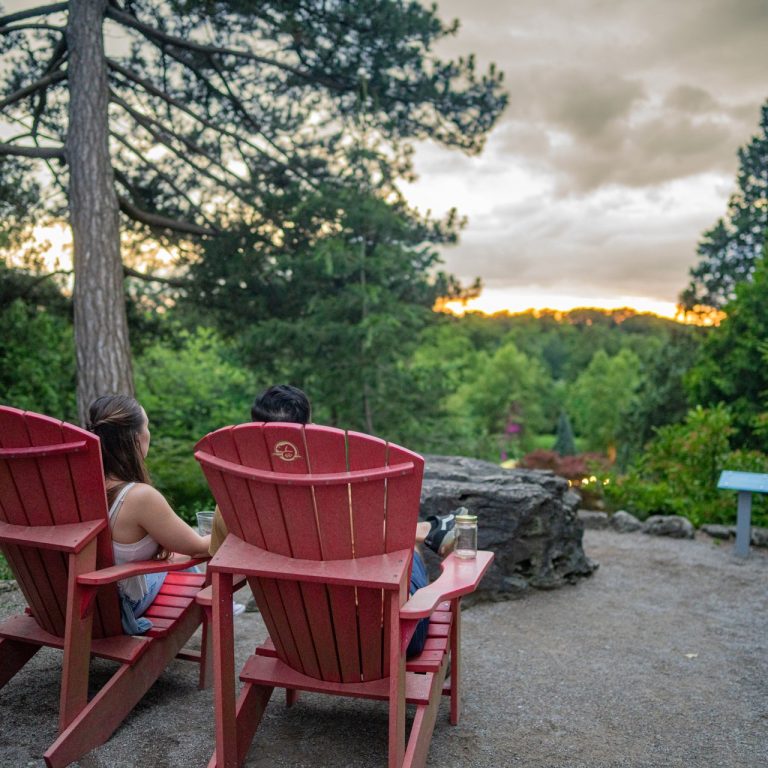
{"x": 147, "y": 508}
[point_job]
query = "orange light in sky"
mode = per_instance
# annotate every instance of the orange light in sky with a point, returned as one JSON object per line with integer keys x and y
{"x": 516, "y": 300}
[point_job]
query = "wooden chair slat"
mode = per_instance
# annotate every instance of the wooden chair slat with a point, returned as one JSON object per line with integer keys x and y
{"x": 403, "y": 499}
{"x": 309, "y": 612}
{"x": 368, "y": 521}
{"x": 327, "y": 452}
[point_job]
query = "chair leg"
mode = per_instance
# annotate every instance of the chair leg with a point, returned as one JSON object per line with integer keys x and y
{"x": 77, "y": 641}
{"x": 291, "y": 696}
{"x": 455, "y": 661}
{"x": 224, "y": 673}
{"x": 13, "y": 656}
{"x": 99, "y": 719}
{"x": 206, "y": 652}
{"x": 251, "y": 704}
{"x": 424, "y": 723}
{"x": 396, "y": 689}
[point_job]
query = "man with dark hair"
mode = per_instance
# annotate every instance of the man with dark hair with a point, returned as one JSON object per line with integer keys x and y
{"x": 282, "y": 403}
{"x": 287, "y": 403}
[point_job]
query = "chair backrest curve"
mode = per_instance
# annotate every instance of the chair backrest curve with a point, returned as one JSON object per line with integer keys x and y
{"x": 51, "y": 474}
{"x": 317, "y": 493}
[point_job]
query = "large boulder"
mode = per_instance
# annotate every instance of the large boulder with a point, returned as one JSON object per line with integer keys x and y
{"x": 526, "y": 516}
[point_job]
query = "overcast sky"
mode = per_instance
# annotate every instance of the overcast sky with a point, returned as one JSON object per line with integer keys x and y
{"x": 618, "y": 148}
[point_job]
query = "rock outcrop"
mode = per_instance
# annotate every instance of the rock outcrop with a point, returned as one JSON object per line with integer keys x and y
{"x": 527, "y": 517}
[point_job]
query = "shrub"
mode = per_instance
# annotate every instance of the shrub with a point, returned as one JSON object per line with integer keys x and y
{"x": 588, "y": 472}
{"x": 678, "y": 473}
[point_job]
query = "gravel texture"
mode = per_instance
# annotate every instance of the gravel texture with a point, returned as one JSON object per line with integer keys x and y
{"x": 660, "y": 659}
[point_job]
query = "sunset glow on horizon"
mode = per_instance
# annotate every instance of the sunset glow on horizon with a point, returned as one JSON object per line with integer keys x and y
{"x": 493, "y": 300}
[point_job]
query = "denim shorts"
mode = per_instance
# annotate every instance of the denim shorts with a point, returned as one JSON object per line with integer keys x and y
{"x": 131, "y": 611}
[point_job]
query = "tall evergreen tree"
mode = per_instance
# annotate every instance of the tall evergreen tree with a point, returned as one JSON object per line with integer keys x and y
{"x": 217, "y": 109}
{"x": 565, "y": 444}
{"x": 729, "y": 251}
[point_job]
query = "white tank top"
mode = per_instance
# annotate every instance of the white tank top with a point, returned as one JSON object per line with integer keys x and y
{"x": 144, "y": 549}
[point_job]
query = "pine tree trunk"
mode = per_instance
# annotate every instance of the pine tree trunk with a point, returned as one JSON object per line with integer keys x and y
{"x": 101, "y": 327}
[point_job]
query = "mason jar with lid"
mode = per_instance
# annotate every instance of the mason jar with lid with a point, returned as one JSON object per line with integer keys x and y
{"x": 466, "y": 536}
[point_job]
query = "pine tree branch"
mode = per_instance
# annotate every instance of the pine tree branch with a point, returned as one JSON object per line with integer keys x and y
{"x": 240, "y": 108}
{"x": 38, "y": 152}
{"x": 173, "y": 282}
{"x": 41, "y": 10}
{"x": 153, "y": 90}
{"x": 57, "y": 57}
{"x": 162, "y": 138}
{"x": 18, "y": 27}
{"x": 212, "y": 50}
{"x": 42, "y": 83}
{"x": 164, "y": 176}
{"x": 162, "y": 222}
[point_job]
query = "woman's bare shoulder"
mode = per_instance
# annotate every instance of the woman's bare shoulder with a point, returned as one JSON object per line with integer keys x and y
{"x": 142, "y": 493}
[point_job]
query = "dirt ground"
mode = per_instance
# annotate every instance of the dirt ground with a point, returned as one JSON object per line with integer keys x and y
{"x": 659, "y": 660}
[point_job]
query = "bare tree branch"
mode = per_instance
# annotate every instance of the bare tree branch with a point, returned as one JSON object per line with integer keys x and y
{"x": 41, "y": 10}
{"x": 40, "y": 152}
{"x": 43, "y": 82}
{"x": 163, "y": 222}
{"x": 178, "y": 42}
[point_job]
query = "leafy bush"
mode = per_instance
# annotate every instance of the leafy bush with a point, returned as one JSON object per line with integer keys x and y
{"x": 678, "y": 473}
{"x": 588, "y": 472}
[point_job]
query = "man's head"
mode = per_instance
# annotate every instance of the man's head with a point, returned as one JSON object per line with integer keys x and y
{"x": 282, "y": 403}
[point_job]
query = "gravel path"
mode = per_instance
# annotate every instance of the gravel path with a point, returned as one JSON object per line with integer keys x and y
{"x": 659, "y": 660}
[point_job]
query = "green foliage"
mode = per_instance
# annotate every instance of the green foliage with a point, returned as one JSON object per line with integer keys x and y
{"x": 5, "y": 570}
{"x": 601, "y": 395}
{"x": 678, "y": 473}
{"x": 189, "y": 389}
{"x": 37, "y": 360}
{"x": 661, "y": 396}
{"x": 731, "y": 366}
{"x": 503, "y": 388}
{"x": 730, "y": 250}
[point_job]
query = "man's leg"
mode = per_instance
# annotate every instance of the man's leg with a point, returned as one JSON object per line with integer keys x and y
{"x": 419, "y": 579}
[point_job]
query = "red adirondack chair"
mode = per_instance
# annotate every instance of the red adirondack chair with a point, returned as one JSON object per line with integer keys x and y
{"x": 322, "y": 523}
{"x": 55, "y": 535}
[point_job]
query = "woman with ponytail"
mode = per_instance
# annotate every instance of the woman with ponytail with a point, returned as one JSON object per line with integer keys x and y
{"x": 142, "y": 522}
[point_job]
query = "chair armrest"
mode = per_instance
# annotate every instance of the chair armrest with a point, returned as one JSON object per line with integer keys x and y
{"x": 67, "y": 537}
{"x": 205, "y": 596}
{"x": 138, "y": 568}
{"x": 459, "y": 577}
{"x": 379, "y": 571}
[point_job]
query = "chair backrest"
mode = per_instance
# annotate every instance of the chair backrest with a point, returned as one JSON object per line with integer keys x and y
{"x": 301, "y": 503}
{"x": 51, "y": 474}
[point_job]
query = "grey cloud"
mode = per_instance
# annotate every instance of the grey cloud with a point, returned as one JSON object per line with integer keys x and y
{"x": 584, "y": 246}
{"x": 605, "y": 76}
{"x": 590, "y": 105}
{"x": 690, "y": 98}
